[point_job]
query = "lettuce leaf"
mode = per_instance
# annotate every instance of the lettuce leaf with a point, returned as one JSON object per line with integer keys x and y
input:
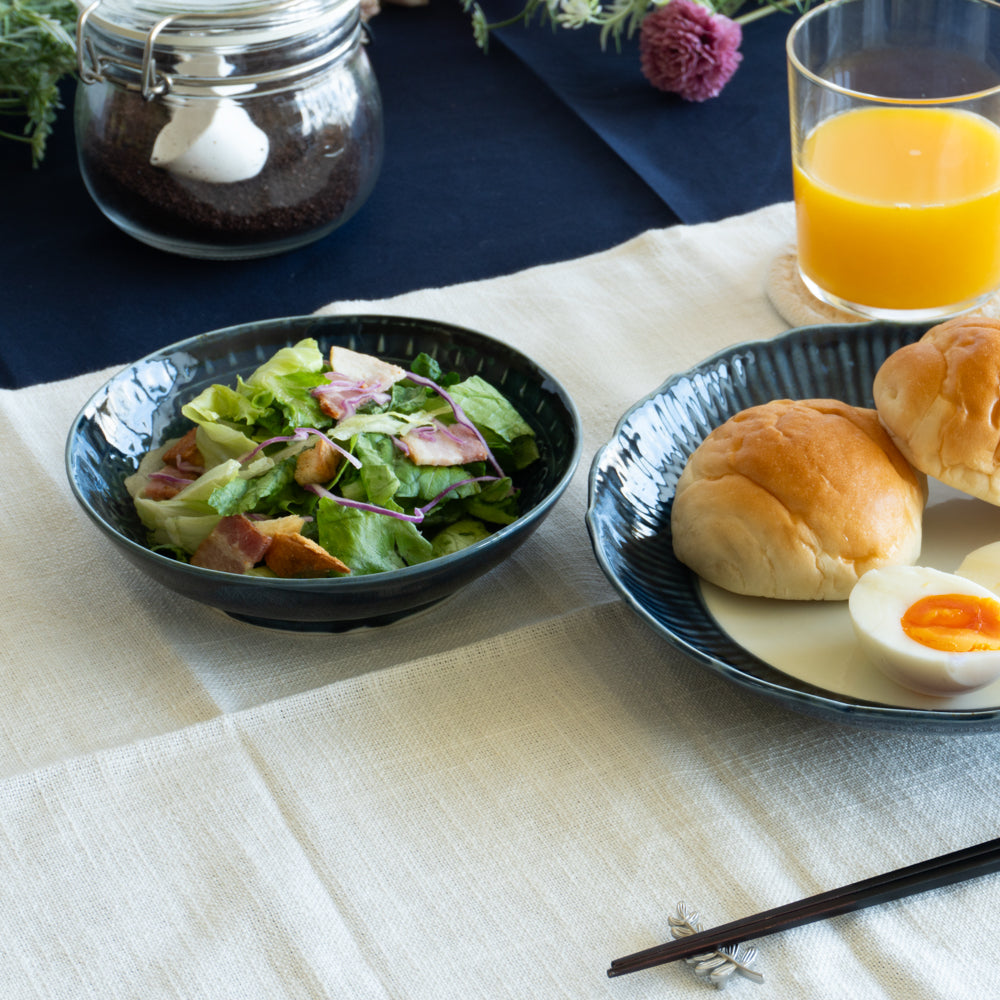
{"x": 388, "y": 477}
{"x": 240, "y": 495}
{"x": 305, "y": 356}
{"x": 492, "y": 502}
{"x": 499, "y": 423}
{"x": 423, "y": 364}
{"x": 369, "y": 542}
{"x": 220, "y": 402}
{"x": 289, "y": 376}
{"x": 390, "y": 422}
{"x": 458, "y": 536}
{"x": 275, "y": 398}
{"x": 221, "y": 442}
{"x": 377, "y": 476}
{"x": 426, "y": 482}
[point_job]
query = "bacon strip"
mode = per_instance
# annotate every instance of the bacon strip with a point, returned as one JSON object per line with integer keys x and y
{"x": 355, "y": 379}
{"x": 233, "y": 546}
{"x": 456, "y": 444}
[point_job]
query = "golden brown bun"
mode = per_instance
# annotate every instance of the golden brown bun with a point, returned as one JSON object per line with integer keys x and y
{"x": 939, "y": 399}
{"x": 796, "y": 499}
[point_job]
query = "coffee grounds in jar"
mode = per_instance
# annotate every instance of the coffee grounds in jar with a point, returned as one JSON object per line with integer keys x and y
{"x": 308, "y": 181}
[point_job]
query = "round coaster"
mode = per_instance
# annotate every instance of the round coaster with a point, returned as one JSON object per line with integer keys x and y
{"x": 799, "y": 307}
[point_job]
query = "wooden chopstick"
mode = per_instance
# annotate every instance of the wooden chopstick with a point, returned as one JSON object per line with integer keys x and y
{"x": 970, "y": 862}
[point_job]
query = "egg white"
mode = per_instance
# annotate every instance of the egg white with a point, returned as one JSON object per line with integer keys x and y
{"x": 982, "y": 566}
{"x": 877, "y": 604}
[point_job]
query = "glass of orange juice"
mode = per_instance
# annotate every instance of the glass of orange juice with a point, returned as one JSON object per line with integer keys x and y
{"x": 895, "y": 119}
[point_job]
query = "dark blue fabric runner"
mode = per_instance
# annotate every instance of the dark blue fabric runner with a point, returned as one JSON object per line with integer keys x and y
{"x": 543, "y": 150}
{"x": 706, "y": 160}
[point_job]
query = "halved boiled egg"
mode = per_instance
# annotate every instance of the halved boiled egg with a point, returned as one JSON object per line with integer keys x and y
{"x": 933, "y": 632}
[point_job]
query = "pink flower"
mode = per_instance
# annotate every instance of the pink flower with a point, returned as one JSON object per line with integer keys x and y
{"x": 686, "y": 49}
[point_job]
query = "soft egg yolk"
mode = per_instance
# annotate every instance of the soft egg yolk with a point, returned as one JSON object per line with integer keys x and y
{"x": 954, "y": 623}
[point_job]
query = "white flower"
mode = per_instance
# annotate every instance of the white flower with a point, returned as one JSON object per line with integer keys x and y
{"x": 577, "y": 13}
{"x": 480, "y": 29}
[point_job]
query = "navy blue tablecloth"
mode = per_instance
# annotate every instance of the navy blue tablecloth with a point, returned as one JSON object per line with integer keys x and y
{"x": 543, "y": 150}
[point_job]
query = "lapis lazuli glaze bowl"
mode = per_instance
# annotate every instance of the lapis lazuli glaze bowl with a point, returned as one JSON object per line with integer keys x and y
{"x": 141, "y": 406}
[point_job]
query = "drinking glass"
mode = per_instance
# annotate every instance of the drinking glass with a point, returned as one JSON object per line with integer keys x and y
{"x": 895, "y": 121}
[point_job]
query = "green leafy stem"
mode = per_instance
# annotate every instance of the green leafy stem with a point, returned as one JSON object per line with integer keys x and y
{"x": 615, "y": 19}
{"x": 36, "y": 51}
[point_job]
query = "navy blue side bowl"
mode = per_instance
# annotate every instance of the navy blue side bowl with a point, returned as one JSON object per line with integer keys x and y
{"x": 141, "y": 406}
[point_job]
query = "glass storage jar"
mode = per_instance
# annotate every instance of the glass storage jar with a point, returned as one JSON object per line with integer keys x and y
{"x": 226, "y": 129}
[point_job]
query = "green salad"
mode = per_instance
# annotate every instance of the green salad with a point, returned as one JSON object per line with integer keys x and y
{"x": 321, "y": 465}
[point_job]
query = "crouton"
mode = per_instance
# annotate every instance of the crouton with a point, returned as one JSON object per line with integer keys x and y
{"x": 291, "y": 524}
{"x": 317, "y": 464}
{"x": 184, "y": 452}
{"x": 296, "y": 555}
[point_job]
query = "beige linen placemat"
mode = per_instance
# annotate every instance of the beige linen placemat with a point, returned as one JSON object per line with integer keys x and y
{"x": 491, "y": 801}
{"x": 497, "y": 822}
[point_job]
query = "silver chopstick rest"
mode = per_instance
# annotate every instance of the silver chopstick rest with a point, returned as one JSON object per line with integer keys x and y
{"x": 715, "y": 967}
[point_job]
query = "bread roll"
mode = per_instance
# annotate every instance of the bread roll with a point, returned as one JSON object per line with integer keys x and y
{"x": 939, "y": 399}
{"x": 796, "y": 500}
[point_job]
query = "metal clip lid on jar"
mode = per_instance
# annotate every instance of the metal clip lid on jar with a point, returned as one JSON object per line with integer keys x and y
{"x": 226, "y": 128}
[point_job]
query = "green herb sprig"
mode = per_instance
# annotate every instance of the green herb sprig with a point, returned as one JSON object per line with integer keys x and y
{"x": 36, "y": 51}
{"x": 615, "y": 18}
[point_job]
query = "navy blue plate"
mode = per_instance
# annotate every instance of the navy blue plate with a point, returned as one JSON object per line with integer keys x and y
{"x": 141, "y": 406}
{"x": 632, "y": 483}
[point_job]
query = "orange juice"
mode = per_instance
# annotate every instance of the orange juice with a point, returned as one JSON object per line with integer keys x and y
{"x": 899, "y": 208}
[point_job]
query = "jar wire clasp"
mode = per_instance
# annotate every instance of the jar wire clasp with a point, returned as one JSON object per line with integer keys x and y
{"x": 91, "y": 66}
{"x": 85, "y": 48}
{"x": 151, "y": 87}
